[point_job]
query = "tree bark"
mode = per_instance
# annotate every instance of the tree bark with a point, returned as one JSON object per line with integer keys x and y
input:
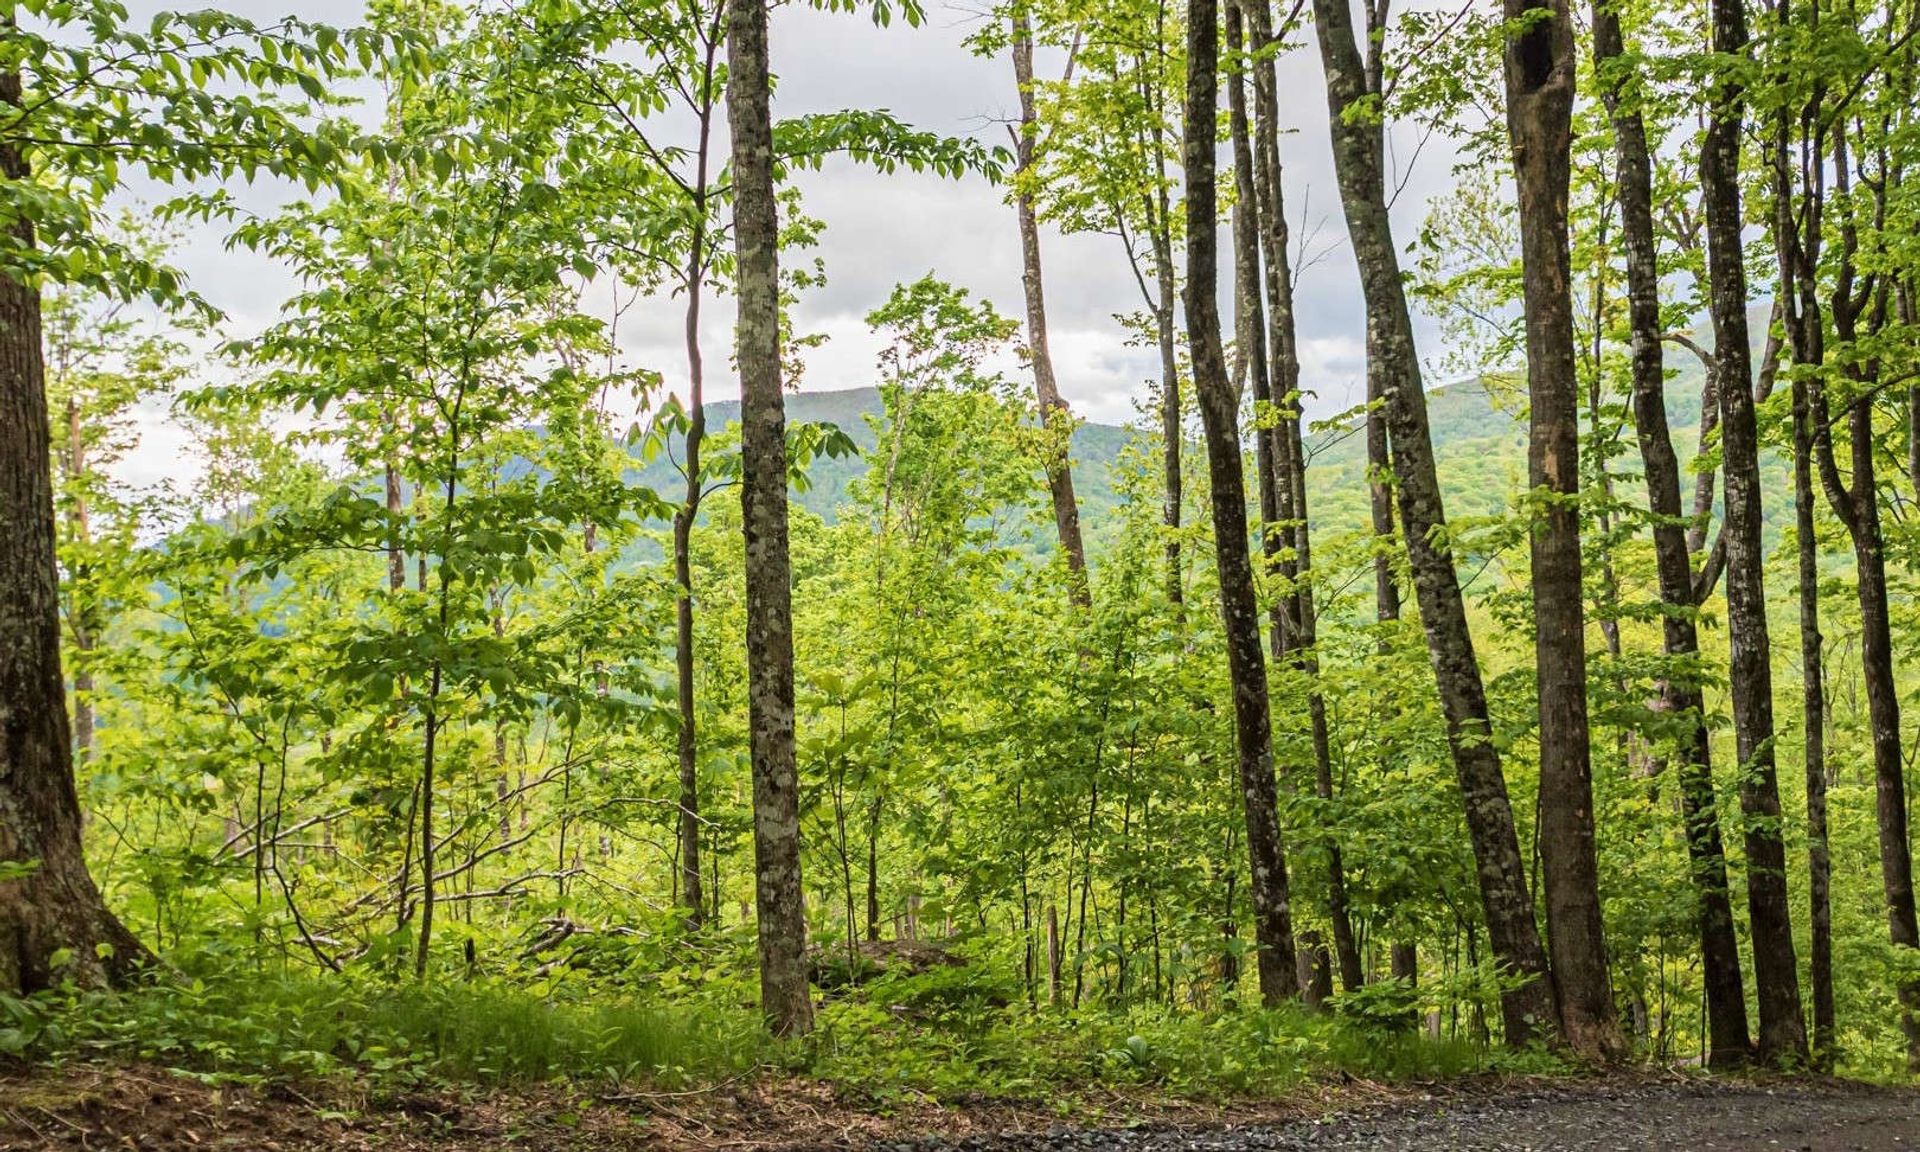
{"x": 1797, "y": 302}
{"x": 1680, "y": 692}
{"x": 1053, "y": 409}
{"x": 1240, "y": 613}
{"x": 49, "y": 906}
{"x": 1858, "y": 507}
{"x": 1776, "y": 977}
{"x": 1540, "y": 79}
{"x": 691, "y": 897}
{"x": 1282, "y": 445}
{"x": 1356, "y": 132}
{"x": 785, "y": 1000}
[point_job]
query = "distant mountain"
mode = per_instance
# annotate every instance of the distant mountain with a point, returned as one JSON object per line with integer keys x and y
{"x": 1095, "y": 448}
{"x": 1479, "y": 436}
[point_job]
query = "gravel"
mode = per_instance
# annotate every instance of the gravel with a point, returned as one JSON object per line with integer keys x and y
{"x": 1806, "y": 1116}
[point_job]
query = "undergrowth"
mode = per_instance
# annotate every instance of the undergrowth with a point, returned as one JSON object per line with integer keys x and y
{"x": 949, "y": 1034}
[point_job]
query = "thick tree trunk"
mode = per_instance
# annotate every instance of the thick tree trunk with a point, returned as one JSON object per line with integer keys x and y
{"x": 1053, "y": 409}
{"x": 48, "y": 902}
{"x": 1540, "y": 80}
{"x": 1240, "y": 613}
{"x": 1680, "y": 692}
{"x": 784, "y": 996}
{"x": 1529, "y": 1008}
{"x": 1776, "y": 977}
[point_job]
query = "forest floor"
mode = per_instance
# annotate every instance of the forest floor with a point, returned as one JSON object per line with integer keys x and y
{"x": 120, "y": 1107}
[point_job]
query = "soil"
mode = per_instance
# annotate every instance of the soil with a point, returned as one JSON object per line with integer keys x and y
{"x": 85, "y": 1107}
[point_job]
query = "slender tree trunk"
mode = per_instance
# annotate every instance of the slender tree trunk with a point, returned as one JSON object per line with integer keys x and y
{"x": 1529, "y": 1007}
{"x": 1680, "y": 691}
{"x": 48, "y": 903}
{"x": 1883, "y": 711}
{"x": 1813, "y": 697}
{"x": 785, "y": 999}
{"x": 1776, "y": 977}
{"x": 1540, "y": 81}
{"x": 1240, "y": 613}
{"x": 80, "y": 612}
{"x": 1250, "y": 335}
{"x": 1280, "y": 449}
{"x": 1053, "y": 409}
{"x": 1798, "y": 304}
{"x": 692, "y": 899}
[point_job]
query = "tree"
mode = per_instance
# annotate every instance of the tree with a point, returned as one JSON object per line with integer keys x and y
{"x": 785, "y": 999}
{"x": 78, "y": 115}
{"x": 1240, "y": 614}
{"x": 1681, "y": 694}
{"x": 1053, "y": 409}
{"x": 1776, "y": 977}
{"x": 1354, "y": 116}
{"x": 1540, "y": 80}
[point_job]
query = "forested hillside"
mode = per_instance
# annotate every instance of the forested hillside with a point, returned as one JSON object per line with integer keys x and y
{"x": 425, "y": 687}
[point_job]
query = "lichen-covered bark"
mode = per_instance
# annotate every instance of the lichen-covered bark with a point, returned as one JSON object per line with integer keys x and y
{"x": 1776, "y": 978}
{"x": 1539, "y": 63}
{"x": 1680, "y": 692}
{"x": 784, "y": 998}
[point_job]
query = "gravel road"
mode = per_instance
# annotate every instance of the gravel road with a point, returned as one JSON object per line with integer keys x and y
{"x": 1788, "y": 1116}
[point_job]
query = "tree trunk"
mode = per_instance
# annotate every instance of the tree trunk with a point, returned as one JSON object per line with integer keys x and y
{"x": 1240, "y": 613}
{"x": 785, "y": 1000}
{"x": 1280, "y": 447}
{"x": 1883, "y": 711}
{"x": 1496, "y": 847}
{"x": 48, "y": 902}
{"x": 1813, "y": 696}
{"x": 1250, "y": 334}
{"x": 1680, "y": 692}
{"x": 1540, "y": 81}
{"x": 692, "y": 899}
{"x": 1782, "y": 1031}
{"x": 1797, "y": 302}
{"x": 1053, "y": 409}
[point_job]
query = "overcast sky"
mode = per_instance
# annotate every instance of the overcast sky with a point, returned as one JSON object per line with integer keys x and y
{"x": 885, "y": 229}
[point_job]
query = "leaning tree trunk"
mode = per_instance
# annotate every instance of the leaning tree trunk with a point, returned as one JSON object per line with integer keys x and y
{"x": 1240, "y": 613}
{"x": 1776, "y": 978}
{"x": 1053, "y": 408}
{"x": 1680, "y": 693}
{"x": 784, "y": 996}
{"x": 1540, "y": 81}
{"x": 1529, "y": 1006}
{"x": 49, "y": 906}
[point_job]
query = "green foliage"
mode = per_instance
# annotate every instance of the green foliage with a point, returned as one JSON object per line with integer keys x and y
{"x": 245, "y": 1024}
